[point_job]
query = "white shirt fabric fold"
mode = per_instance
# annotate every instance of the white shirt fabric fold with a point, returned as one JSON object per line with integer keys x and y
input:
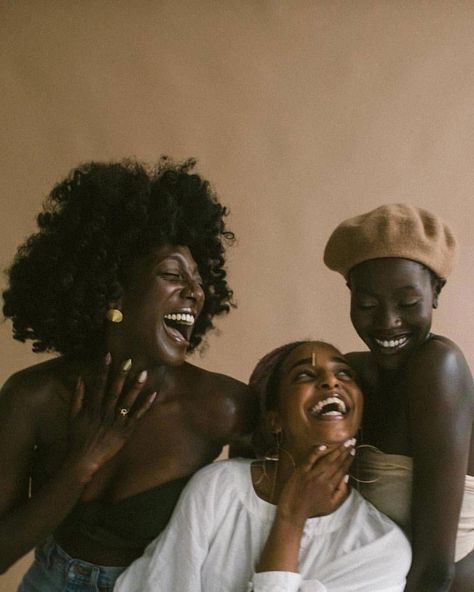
{"x": 220, "y": 526}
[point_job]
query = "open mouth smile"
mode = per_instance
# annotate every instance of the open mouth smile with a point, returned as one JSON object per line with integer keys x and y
{"x": 332, "y": 407}
{"x": 392, "y": 344}
{"x": 179, "y": 324}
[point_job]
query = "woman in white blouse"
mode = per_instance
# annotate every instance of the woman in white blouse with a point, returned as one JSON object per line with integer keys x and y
{"x": 291, "y": 523}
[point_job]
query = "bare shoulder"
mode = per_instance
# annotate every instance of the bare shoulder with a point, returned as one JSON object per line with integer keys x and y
{"x": 443, "y": 356}
{"x": 439, "y": 367}
{"x": 34, "y": 387}
{"x": 231, "y": 405}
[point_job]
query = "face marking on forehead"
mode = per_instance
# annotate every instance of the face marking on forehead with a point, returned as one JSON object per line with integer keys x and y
{"x": 312, "y": 361}
{"x": 179, "y": 259}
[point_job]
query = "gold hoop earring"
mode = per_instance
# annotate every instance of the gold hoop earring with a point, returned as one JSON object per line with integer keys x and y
{"x": 114, "y": 315}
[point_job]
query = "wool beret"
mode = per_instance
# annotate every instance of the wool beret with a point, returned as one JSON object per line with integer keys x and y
{"x": 393, "y": 230}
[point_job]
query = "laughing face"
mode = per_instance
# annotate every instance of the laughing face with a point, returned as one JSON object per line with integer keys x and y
{"x": 392, "y": 300}
{"x": 162, "y": 299}
{"x": 319, "y": 400}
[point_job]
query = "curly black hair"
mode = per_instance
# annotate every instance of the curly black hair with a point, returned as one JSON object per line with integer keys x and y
{"x": 94, "y": 222}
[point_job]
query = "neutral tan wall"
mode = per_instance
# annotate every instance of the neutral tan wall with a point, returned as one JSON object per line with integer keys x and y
{"x": 301, "y": 113}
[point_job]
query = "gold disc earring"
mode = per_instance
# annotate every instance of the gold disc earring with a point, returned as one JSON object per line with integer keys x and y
{"x": 114, "y": 315}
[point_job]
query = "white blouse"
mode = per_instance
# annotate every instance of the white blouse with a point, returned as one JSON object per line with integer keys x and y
{"x": 220, "y": 526}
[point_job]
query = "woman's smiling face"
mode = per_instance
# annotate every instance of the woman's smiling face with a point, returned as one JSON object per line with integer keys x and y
{"x": 162, "y": 299}
{"x": 392, "y": 301}
{"x": 319, "y": 401}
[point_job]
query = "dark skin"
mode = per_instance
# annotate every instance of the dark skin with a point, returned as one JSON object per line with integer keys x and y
{"x": 180, "y": 415}
{"x": 419, "y": 402}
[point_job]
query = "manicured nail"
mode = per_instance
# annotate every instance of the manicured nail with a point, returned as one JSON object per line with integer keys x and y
{"x": 348, "y": 443}
{"x": 142, "y": 376}
{"x": 322, "y": 447}
{"x": 354, "y": 441}
{"x": 108, "y": 358}
{"x": 152, "y": 397}
{"x": 346, "y": 478}
{"x": 352, "y": 452}
{"x": 127, "y": 365}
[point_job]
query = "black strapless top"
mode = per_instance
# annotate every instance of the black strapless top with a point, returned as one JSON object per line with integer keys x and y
{"x": 130, "y": 523}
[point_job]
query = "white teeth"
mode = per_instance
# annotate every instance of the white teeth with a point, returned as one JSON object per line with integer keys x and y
{"x": 182, "y": 318}
{"x": 316, "y": 409}
{"x": 392, "y": 342}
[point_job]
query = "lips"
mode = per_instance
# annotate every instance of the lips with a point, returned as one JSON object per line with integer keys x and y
{"x": 391, "y": 344}
{"x": 179, "y": 324}
{"x": 334, "y": 406}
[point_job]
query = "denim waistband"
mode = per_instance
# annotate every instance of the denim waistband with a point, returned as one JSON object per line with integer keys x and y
{"x": 78, "y": 570}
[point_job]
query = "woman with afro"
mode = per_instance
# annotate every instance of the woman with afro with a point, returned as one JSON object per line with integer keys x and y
{"x": 123, "y": 278}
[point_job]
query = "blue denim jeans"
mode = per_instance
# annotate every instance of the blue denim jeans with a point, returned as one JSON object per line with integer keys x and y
{"x": 54, "y": 571}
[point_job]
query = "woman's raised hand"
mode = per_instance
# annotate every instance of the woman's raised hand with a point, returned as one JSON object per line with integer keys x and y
{"x": 318, "y": 485}
{"x": 103, "y": 415}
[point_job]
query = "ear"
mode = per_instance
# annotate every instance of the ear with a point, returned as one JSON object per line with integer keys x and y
{"x": 438, "y": 285}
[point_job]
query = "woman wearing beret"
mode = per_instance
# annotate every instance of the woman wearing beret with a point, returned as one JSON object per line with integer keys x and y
{"x": 290, "y": 523}
{"x": 123, "y": 278}
{"x": 417, "y": 459}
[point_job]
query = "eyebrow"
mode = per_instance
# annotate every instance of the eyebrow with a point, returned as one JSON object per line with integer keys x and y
{"x": 304, "y": 361}
{"x": 401, "y": 289}
{"x": 179, "y": 259}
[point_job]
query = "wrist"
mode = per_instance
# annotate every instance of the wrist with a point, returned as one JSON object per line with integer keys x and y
{"x": 289, "y": 521}
{"x": 79, "y": 471}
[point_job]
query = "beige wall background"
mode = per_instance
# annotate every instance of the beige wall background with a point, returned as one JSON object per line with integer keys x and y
{"x": 301, "y": 112}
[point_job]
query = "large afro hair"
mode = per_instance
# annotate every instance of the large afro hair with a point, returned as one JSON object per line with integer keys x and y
{"x": 95, "y": 222}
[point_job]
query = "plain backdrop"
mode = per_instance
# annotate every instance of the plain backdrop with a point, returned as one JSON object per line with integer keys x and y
{"x": 301, "y": 113}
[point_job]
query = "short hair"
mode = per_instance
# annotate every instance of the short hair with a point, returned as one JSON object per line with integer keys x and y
{"x": 98, "y": 219}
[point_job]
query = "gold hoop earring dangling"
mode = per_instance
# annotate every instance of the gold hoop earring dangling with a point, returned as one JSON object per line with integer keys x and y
{"x": 114, "y": 315}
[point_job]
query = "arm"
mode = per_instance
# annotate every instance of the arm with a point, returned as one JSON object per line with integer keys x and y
{"x": 439, "y": 391}
{"x": 316, "y": 487}
{"x": 97, "y": 434}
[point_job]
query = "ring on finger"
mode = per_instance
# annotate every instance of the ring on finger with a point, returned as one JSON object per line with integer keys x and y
{"x": 124, "y": 411}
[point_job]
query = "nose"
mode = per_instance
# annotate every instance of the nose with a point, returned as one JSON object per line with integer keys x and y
{"x": 387, "y": 318}
{"x": 192, "y": 290}
{"x": 327, "y": 379}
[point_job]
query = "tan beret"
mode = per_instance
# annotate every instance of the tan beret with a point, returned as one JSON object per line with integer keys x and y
{"x": 394, "y": 230}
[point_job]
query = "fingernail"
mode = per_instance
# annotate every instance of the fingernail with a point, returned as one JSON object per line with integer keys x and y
{"x": 108, "y": 358}
{"x": 152, "y": 397}
{"x": 352, "y": 452}
{"x": 142, "y": 376}
{"x": 354, "y": 441}
{"x": 127, "y": 365}
{"x": 346, "y": 478}
{"x": 322, "y": 447}
{"x": 348, "y": 443}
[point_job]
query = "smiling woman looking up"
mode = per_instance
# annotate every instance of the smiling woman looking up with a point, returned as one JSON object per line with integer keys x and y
{"x": 419, "y": 467}
{"x": 123, "y": 279}
{"x": 287, "y": 524}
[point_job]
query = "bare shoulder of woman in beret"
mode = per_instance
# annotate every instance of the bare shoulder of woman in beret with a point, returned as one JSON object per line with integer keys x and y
{"x": 124, "y": 277}
{"x": 418, "y": 425}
